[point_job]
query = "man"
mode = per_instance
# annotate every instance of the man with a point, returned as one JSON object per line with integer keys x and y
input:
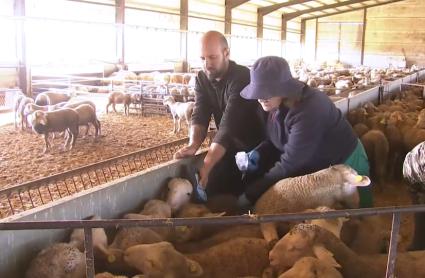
{"x": 305, "y": 131}
{"x": 218, "y": 88}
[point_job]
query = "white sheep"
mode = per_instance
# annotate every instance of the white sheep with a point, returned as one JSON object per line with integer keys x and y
{"x": 328, "y": 187}
{"x": 179, "y": 111}
{"x": 58, "y": 260}
{"x": 22, "y": 117}
{"x": 178, "y": 192}
{"x": 234, "y": 258}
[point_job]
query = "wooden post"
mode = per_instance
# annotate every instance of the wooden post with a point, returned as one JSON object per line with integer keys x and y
{"x": 184, "y": 24}
{"x": 283, "y": 30}
{"x": 363, "y": 36}
{"x": 120, "y": 21}
{"x": 302, "y": 36}
{"x": 316, "y": 39}
{"x": 24, "y": 76}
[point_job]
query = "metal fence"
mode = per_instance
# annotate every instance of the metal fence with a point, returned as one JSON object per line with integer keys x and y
{"x": 32, "y": 194}
{"x": 87, "y": 225}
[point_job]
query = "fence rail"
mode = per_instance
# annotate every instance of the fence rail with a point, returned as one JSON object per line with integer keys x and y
{"x": 32, "y": 194}
{"x": 87, "y": 225}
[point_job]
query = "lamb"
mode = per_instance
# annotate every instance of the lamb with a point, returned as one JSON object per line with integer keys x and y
{"x": 16, "y": 101}
{"x": 86, "y": 115}
{"x": 310, "y": 240}
{"x": 328, "y": 187}
{"x": 179, "y": 192}
{"x": 58, "y": 260}
{"x": 50, "y": 98}
{"x": 360, "y": 129}
{"x": 21, "y": 111}
{"x": 222, "y": 260}
{"x": 309, "y": 267}
{"x": 188, "y": 233}
{"x": 61, "y": 120}
{"x": 32, "y": 107}
{"x": 75, "y": 104}
{"x": 119, "y": 98}
{"x": 377, "y": 148}
{"x": 334, "y": 225}
{"x": 179, "y": 111}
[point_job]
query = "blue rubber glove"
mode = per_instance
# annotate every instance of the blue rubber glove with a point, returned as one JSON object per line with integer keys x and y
{"x": 253, "y": 161}
{"x": 200, "y": 190}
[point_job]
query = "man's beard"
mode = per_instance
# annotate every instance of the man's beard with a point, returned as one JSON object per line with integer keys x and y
{"x": 214, "y": 75}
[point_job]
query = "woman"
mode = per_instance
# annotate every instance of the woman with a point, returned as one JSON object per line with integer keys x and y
{"x": 306, "y": 132}
{"x": 414, "y": 173}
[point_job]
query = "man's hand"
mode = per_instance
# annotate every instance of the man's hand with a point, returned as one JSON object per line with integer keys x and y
{"x": 185, "y": 152}
{"x": 204, "y": 172}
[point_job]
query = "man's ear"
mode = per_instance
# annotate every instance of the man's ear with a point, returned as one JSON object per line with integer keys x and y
{"x": 226, "y": 52}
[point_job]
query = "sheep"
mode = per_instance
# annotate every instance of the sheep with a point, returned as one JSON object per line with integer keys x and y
{"x": 16, "y": 101}
{"x": 360, "y": 129}
{"x": 86, "y": 115}
{"x": 311, "y": 240}
{"x": 119, "y": 98}
{"x": 178, "y": 192}
{"x": 334, "y": 225}
{"x": 309, "y": 267}
{"x": 60, "y": 120}
{"x": 251, "y": 231}
{"x": 188, "y": 233}
{"x": 377, "y": 149}
{"x": 108, "y": 275}
{"x": 22, "y": 117}
{"x": 75, "y": 104}
{"x": 222, "y": 260}
{"x": 328, "y": 187}
{"x": 179, "y": 111}
{"x": 58, "y": 260}
{"x": 32, "y": 107}
{"x": 50, "y": 98}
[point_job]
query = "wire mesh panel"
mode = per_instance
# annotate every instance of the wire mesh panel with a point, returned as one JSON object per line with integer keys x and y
{"x": 32, "y": 194}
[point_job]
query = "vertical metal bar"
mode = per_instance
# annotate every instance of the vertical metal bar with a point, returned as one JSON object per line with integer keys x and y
{"x": 103, "y": 174}
{"x": 97, "y": 178}
{"x": 82, "y": 181}
{"x": 88, "y": 246}
{"x": 41, "y": 196}
{"x": 29, "y": 194}
{"x": 88, "y": 175}
{"x": 392, "y": 254}
{"x": 22, "y": 202}
{"x": 116, "y": 168}
{"x": 10, "y": 205}
{"x": 66, "y": 186}
{"x": 129, "y": 167}
{"x": 50, "y": 193}
{"x": 75, "y": 186}
{"x": 363, "y": 36}
{"x": 57, "y": 187}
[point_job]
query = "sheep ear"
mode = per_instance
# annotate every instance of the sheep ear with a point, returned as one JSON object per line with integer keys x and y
{"x": 195, "y": 269}
{"x": 325, "y": 255}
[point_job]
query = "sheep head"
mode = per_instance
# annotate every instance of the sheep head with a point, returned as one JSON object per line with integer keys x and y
{"x": 168, "y": 100}
{"x": 298, "y": 243}
{"x": 350, "y": 176}
{"x": 161, "y": 259}
{"x": 308, "y": 267}
{"x": 179, "y": 193}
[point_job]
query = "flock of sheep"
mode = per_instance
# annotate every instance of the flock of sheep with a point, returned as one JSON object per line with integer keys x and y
{"x": 54, "y": 112}
{"x": 331, "y": 248}
{"x": 390, "y": 130}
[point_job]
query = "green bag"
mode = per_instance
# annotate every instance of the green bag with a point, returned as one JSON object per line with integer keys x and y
{"x": 359, "y": 162}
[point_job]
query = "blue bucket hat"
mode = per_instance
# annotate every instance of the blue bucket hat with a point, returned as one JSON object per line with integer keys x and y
{"x": 271, "y": 77}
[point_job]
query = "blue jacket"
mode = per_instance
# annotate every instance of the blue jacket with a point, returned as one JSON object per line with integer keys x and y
{"x": 303, "y": 139}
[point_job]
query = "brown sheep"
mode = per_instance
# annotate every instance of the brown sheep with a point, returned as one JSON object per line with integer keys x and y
{"x": 119, "y": 98}
{"x": 377, "y": 148}
{"x": 55, "y": 121}
{"x": 86, "y": 115}
{"x": 360, "y": 129}
{"x": 51, "y": 98}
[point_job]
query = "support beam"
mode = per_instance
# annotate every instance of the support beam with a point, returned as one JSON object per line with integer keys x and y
{"x": 120, "y": 21}
{"x": 293, "y": 15}
{"x": 302, "y": 35}
{"x": 229, "y": 5}
{"x": 284, "y": 28}
{"x": 24, "y": 76}
{"x": 316, "y": 32}
{"x": 352, "y": 10}
{"x": 184, "y": 26}
{"x": 363, "y": 36}
{"x": 269, "y": 9}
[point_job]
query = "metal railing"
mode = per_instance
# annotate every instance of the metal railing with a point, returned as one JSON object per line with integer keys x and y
{"x": 32, "y": 194}
{"x": 87, "y": 225}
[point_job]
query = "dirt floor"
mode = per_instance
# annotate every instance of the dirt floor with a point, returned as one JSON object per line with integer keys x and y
{"x": 22, "y": 158}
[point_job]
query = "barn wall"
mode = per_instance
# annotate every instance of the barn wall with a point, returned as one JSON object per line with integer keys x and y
{"x": 393, "y": 32}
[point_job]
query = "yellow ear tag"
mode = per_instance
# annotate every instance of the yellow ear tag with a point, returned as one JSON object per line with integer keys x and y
{"x": 359, "y": 178}
{"x": 382, "y": 121}
{"x": 192, "y": 267}
{"x": 111, "y": 259}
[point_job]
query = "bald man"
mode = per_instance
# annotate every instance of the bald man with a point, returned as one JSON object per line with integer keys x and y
{"x": 239, "y": 122}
